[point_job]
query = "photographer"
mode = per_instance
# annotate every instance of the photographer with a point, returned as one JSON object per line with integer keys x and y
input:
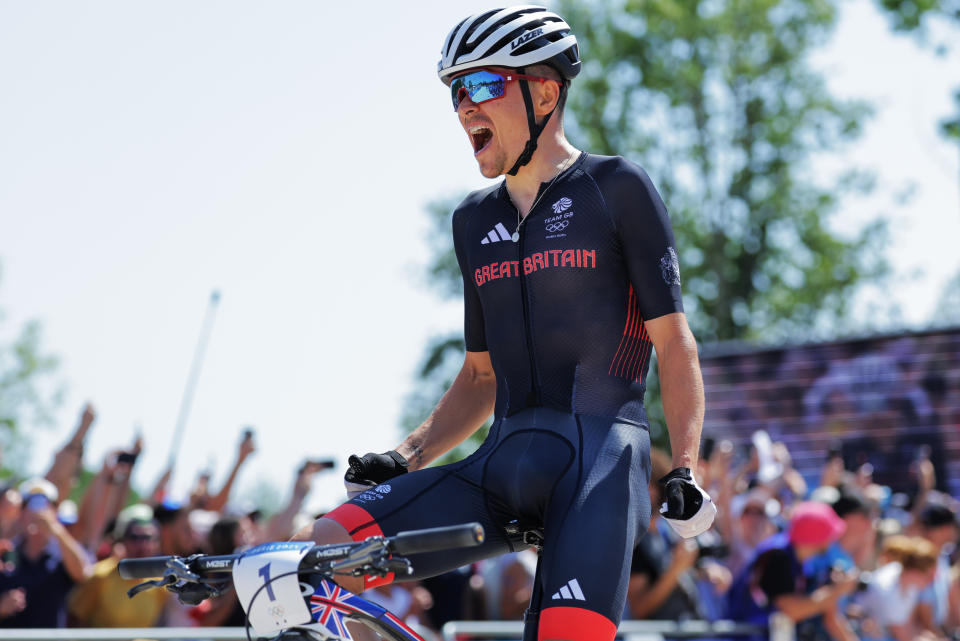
{"x": 45, "y": 564}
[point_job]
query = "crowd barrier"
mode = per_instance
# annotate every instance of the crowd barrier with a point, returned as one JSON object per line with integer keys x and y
{"x": 119, "y": 634}
{"x": 628, "y": 630}
{"x": 452, "y": 631}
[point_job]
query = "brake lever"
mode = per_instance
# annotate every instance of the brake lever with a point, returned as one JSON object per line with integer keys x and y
{"x": 161, "y": 583}
{"x": 399, "y": 565}
{"x": 382, "y": 567}
{"x": 178, "y": 570}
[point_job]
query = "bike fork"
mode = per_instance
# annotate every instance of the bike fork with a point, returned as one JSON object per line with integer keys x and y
{"x": 531, "y": 618}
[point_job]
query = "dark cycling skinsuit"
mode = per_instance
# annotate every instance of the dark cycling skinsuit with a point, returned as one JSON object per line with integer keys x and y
{"x": 561, "y": 313}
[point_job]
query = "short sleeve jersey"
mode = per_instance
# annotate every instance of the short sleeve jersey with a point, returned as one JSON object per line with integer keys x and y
{"x": 562, "y": 310}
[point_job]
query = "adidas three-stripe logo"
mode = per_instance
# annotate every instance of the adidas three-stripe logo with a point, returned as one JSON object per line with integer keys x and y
{"x": 496, "y": 234}
{"x": 570, "y": 591}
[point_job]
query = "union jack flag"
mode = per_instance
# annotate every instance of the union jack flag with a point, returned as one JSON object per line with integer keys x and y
{"x": 331, "y": 607}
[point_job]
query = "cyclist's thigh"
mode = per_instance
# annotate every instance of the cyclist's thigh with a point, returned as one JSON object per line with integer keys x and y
{"x": 592, "y": 525}
{"x": 433, "y": 497}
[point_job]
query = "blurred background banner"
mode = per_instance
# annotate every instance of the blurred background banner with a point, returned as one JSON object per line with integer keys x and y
{"x": 881, "y": 402}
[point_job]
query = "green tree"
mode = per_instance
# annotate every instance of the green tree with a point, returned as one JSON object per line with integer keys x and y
{"x": 916, "y": 17}
{"x": 948, "y": 309}
{"x": 27, "y": 395}
{"x": 716, "y": 99}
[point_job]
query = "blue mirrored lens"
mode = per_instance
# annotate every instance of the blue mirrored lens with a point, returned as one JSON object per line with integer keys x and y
{"x": 478, "y": 85}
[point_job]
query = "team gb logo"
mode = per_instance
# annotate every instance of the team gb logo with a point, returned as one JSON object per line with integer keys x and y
{"x": 562, "y": 205}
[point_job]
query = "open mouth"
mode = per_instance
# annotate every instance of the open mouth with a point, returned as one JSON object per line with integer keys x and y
{"x": 480, "y": 136}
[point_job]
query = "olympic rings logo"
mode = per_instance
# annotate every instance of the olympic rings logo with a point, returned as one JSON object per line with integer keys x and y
{"x": 558, "y": 226}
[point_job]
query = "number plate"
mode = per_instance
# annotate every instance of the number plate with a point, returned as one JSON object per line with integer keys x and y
{"x": 267, "y": 574}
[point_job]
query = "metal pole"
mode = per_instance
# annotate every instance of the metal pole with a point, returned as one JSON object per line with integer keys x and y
{"x": 198, "y": 355}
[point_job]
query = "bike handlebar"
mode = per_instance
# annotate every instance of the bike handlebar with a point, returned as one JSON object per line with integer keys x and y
{"x": 412, "y": 542}
{"x": 148, "y": 567}
{"x": 439, "y": 538}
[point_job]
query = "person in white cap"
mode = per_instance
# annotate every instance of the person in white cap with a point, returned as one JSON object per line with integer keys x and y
{"x": 48, "y": 561}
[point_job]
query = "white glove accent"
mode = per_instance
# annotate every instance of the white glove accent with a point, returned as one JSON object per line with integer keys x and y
{"x": 355, "y": 489}
{"x": 696, "y": 524}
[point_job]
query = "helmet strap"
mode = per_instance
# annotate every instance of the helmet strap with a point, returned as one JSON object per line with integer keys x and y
{"x": 535, "y": 129}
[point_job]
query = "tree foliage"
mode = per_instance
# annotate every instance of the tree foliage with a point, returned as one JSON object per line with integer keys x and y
{"x": 915, "y": 17}
{"x": 26, "y": 397}
{"x": 948, "y": 308}
{"x": 912, "y": 15}
{"x": 716, "y": 99}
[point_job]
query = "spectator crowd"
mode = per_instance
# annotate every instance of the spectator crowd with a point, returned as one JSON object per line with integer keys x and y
{"x": 841, "y": 556}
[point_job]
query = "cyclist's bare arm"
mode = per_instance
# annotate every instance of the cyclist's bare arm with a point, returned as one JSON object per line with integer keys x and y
{"x": 680, "y": 383}
{"x": 460, "y": 413}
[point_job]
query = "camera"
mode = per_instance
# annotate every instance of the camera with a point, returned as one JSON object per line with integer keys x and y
{"x": 36, "y": 502}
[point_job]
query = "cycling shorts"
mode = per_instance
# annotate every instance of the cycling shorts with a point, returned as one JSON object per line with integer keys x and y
{"x": 582, "y": 479}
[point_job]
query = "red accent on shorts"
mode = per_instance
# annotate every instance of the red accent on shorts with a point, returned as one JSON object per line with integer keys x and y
{"x": 358, "y": 522}
{"x": 575, "y": 624}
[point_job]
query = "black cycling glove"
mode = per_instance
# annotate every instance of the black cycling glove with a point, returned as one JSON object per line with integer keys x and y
{"x": 686, "y": 507}
{"x": 372, "y": 469}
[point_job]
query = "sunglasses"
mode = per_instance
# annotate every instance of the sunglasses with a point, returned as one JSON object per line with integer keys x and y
{"x": 482, "y": 85}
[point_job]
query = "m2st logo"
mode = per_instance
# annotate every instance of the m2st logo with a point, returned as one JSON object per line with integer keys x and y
{"x": 527, "y": 37}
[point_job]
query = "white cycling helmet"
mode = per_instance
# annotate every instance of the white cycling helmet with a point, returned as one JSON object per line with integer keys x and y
{"x": 514, "y": 37}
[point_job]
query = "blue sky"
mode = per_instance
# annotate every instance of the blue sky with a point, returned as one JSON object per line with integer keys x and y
{"x": 283, "y": 154}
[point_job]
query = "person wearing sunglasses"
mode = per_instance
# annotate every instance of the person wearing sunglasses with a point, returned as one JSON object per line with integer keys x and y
{"x": 101, "y": 601}
{"x": 571, "y": 279}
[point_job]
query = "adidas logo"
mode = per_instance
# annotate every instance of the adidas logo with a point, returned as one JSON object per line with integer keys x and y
{"x": 495, "y": 235}
{"x": 570, "y": 591}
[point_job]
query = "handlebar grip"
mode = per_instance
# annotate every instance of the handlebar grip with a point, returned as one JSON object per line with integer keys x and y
{"x": 146, "y": 568}
{"x": 440, "y": 538}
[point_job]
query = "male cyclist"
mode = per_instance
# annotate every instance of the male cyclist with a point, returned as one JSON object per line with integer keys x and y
{"x": 570, "y": 278}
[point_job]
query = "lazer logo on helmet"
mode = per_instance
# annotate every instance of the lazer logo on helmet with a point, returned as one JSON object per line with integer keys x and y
{"x": 527, "y": 37}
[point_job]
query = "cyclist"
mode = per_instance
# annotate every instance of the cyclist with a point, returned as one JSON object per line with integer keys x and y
{"x": 570, "y": 278}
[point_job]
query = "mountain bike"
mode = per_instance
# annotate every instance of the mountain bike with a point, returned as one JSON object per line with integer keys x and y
{"x": 288, "y": 589}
